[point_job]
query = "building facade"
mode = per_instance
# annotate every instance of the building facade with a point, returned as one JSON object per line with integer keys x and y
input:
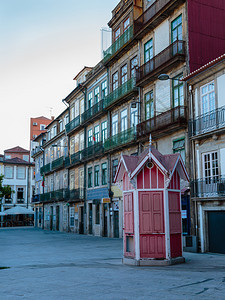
{"x": 19, "y": 175}
{"x": 118, "y": 103}
{"x": 207, "y": 141}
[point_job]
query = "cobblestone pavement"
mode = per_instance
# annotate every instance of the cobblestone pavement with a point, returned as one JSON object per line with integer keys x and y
{"x": 54, "y": 265}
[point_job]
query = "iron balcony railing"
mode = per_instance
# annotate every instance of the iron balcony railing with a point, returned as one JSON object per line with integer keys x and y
{"x": 213, "y": 120}
{"x": 36, "y": 150}
{"x": 118, "y": 44}
{"x": 121, "y": 91}
{"x": 73, "y": 124}
{"x": 92, "y": 151}
{"x": 58, "y": 163}
{"x": 73, "y": 159}
{"x": 120, "y": 139}
{"x": 176, "y": 49}
{"x": 208, "y": 187}
{"x": 92, "y": 111}
{"x": 149, "y": 14}
{"x": 45, "y": 169}
{"x": 35, "y": 198}
{"x": 176, "y": 115}
{"x": 62, "y": 195}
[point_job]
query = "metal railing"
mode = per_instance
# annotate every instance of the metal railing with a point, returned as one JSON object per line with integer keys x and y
{"x": 36, "y": 150}
{"x": 118, "y": 44}
{"x": 147, "y": 16}
{"x": 62, "y": 195}
{"x": 57, "y": 163}
{"x": 92, "y": 151}
{"x": 35, "y": 198}
{"x": 73, "y": 159}
{"x": 210, "y": 121}
{"x": 45, "y": 168}
{"x": 120, "y": 139}
{"x": 164, "y": 120}
{"x": 73, "y": 124}
{"x": 121, "y": 91}
{"x": 92, "y": 111}
{"x": 208, "y": 187}
{"x": 175, "y": 49}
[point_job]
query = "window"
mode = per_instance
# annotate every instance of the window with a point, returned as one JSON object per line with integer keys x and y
{"x": 72, "y": 145}
{"x": 42, "y": 127}
{"x": 26, "y": 157}
{"x": 148, "y": 51}
{"x": 133, "y": 117}
{"x": 72, "y": 181}
{"x": 60, "y": 125}
{"x": 20, "y": 193}
{"x": 104, "y": 131}
{"x": 115, "y": 80}
{"x": 114, "y": 124}
{"x": 176, "y": 29}
{"x": 96, "y": 176}
{"x": 210, "y": 167}
{"x": 133, "y": 65}
{"x": 7, "y": 156}
{"x": 97, "y": 214}
{"x": 66, "y": 119}
{"x": 72, "y": 112}
{"x": 81, "y": 106}
{"x": 126, "y": 24}
{"x": 90, "y": 184}
{"x": 90, "y": 137}
{"x": 8, "y": 172}
{"x": 124, "y": 74}
{"x": 90, "y": 100}
{"x": 114, "y": 168}
{"x": 77, "y": 108}
{"x": 55, "y": 130}
{"x": 96, "y": 95}
{"x": 104, "y": 173}
{"x": 179, "y": 147}
{"x": 72, "y": 212}
{"x": 34, "y": 123}
{"x": 208, "y": 97}
{"x": 104, "y": 89}
{"x": 20, "y": 172}
{"x": 178, "y": 92}
{"x": 149, "y": 105}
{"x": 81, "y": 141}
{"x": 96, "y": 136}
{"x": 117, "y": 34}
{"x": 123, "y": 116}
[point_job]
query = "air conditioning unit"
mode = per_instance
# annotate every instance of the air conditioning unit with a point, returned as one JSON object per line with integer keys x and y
{"x": 35, "y": 124}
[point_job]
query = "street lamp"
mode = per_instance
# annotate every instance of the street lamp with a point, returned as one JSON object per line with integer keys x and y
{"x": 164, "y": 77}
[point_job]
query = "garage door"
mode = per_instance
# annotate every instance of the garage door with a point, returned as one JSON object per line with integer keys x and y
{"x": 216, "y": 226}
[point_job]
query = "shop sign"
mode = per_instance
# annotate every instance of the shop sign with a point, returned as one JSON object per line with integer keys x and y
{"x": 105, "y": 200}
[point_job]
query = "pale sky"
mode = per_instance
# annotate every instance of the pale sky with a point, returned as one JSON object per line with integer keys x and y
{"x": 44, "y": 44}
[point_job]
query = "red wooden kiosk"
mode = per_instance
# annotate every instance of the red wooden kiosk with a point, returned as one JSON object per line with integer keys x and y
{"x": 152, "y": 207}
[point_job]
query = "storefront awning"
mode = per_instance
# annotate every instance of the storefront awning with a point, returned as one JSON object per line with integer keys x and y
{"x": 17, "y": 210}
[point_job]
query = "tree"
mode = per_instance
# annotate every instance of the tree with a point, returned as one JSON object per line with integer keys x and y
{"x": 5, "y": 191}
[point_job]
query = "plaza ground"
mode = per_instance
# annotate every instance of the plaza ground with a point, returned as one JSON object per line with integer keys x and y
{"x": 53, "y": 265}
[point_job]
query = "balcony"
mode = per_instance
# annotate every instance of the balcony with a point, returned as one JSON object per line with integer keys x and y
{"x": 154, "y": 15}
{"x": 208, "y": 124}
{"x": 36, "y": 150}
{"x": 76, "y": 194}
{"x": 120, "y": 139}
{"x": 58, "y": 163}
{"x": 35, "y": 198}
{"x": 8, "y": 201}
{"x": 62, "y": 195}
{"x": 116, "y": 50}
{"x": 208, "y": 187}
{"x": 20, "y": 201}
{"x": 45, "y": 169}
{"x": 92, "y": 151}
{"x": 161, "y": 63}
{"x": 163, "y": 124}
{"x": 121, "y": 93}
{"x": 75, "y": 123}
{"x": 93, "y": 112}
{"x": 73, "y": 159}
